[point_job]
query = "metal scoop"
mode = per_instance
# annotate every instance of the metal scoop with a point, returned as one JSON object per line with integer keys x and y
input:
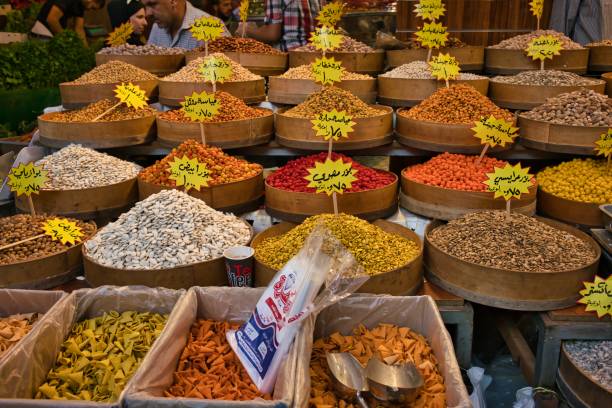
{"x": 349, "y": 378}
{"x": 398, "y": 384}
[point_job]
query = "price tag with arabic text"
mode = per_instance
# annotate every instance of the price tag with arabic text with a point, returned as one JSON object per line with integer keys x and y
{"x": 333, "y": 124}
{"x": 215, "y": 69}
{"x": 63, "y": 230}
{"x": 331, "y": 177}
{"x": 604, "y": 144}
{"x": 429, "y": 9}
{"x": 444, "y": 67}
{"x": 200, "y": 107}
{"x": 132, "y": 95}
{"x": 120, "y": 35}
{"x": 509, "y": 182}
{"x": 432, "y": 35}
{"x": 536, "y": 7}
{"x": 494, "y": 132}
{"x": 331, "y": 14}
{"x": 598, "y": 296}
{"x": 326, "y": 38}
{"x": 544, "y": 47}
{"x": 244, "y": 10}
{"x": 326, "y": 71}
{"x": 207, "y": 28}
{"x": 27, "y": 179}
{"x": 189, "y": 173}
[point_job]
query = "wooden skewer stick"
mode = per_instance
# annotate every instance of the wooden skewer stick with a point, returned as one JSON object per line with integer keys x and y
{"x": 202, "y": 135}
{"x": 106, "y": 111}
{"x": 484, "y": 151}
{"x": 335, "y": 201}
{"x": 23, "y": 241}
{"x": 31, "y": 205}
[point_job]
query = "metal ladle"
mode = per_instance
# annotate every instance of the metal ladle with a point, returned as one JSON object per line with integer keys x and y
{"x": 348, "y": 376}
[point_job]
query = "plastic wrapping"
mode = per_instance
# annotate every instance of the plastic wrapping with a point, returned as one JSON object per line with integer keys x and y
{"x": 419, "y": 313}
{"x": 217, "y": 303}
{"x": 29, "y": 364}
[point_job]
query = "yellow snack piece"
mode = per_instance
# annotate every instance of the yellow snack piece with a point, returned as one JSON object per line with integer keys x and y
{"x": 583, "y": 180}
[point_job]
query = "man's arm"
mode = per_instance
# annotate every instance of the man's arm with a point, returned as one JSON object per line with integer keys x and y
{"x": 269, "y": 33}
{"x": 53, "y": 19}
{"x": 79, "y": 27}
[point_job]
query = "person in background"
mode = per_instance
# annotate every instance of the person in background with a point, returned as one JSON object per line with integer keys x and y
{"x": 173, "y": 18}
{"x": 124, "y": 11}
{"x": 287, "y": 25}
{"x": 54, "y": 15}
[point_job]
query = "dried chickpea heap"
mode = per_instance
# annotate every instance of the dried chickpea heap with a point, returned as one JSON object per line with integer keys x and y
{"x": 305, "y": 72}
{"x": 460, "y": 104}
{"x": 18, "y": 227}
{"x": 376, "y": 250}
{"x": 330, "y": 98}
{"x": 520, "y": 243}
{"x": 422, "y": 70}
{"x": 583, "y": 180}
{"x": 520, "y": 42}
{"x": 387, "y": 342}
{"x": 91, "y": 111}
{"x": 208, "y": 367}
{"x": 114, "y": 72}
{"x": 100, "y": 356}
{"x": 191, "y": 71}
{"x": 223, "y": 168}
{"x": 238, "y": 44}
{"x": 232, "y": 108}
{"x": 14, "y": 328}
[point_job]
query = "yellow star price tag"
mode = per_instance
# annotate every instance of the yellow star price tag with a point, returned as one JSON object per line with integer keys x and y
{"x": 206, "y": 28}
{"x": 509, "y": 182}
{"x": 429, "y": 9}
{"x": 598, "y": 296}
{"x": 494, "y": 132}
{"x": 604, "y": 144}
{"x": 189, "y": 173}
{"x": 120, "y": 35}
{"x": 64, "y": 230}
{"x": 432, "y": 35}
{"x": 215, "y": 69}
{"x": 27, "y": 179}
{"x": 326, "y": 38}
{"x": 444, "y": 67}
{"x": 327, "y": 70}
{"x": 331, "y": 176}
{"x": 244, "y": 10}
{"x": 333, "y": 124}
{"x": 200, "y": 107}
{"x": 544, "y": 47}
{"x": 132, "y": 95}
{"x": 536, "y": 7}
{"x": 331, "y": 14}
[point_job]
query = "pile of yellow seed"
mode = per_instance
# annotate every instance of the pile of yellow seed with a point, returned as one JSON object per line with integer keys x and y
{"x": 375, "y": 249}
{"x": 305, "y": 72}
{"x": 584, "y": 180}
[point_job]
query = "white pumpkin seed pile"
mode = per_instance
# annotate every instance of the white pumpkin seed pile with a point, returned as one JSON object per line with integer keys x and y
{"x": 76, "y": 167}
{"x": 166, "y": 230}
{"x": 594, "y": 357}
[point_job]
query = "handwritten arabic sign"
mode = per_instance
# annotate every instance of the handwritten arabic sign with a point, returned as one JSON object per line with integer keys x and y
{"x": 544, "y": 47}
{"x": 206, "y": 28}
{"x": 120, "y": 35}
{"x": 132, "y": 95}
{"x": 429, "y": 9}
{"x": 598, "y": 296}
{"x": 536, "y": 7}
{"x": 244, "y": 10}
{"x": 326, "y": 38}
{"x": 331, "y": 14}
{"x": 189, "y": 173}
{"x": 432, "y": 35}
{"x": 444, "y": 67}
{"x": 333, "y": 124}
{"x": 509, "y": 182}
{"x": 494, "y": 132}
{"x": 64, "y": 230}
{"x": 200, "y": 107}
{"x": 27, "y": 179}
{"x": 327, "y": 70}
{"x": 331, "y": 177}
{"x": 604, "y": 144}
{"x": 215, "y": 69}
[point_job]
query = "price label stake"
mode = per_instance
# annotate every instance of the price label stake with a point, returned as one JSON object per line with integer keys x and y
{"x": 326, "y": 71}
{"x": 429, "y": 9}
{"x": 597, "y": 296}
{"x": 432, "y": 35}
{"x": 120, "y": 35}
{"x": 603, "y": 146}
{"x": 201, "y": 107}
{"x": 331, "y": 14}
{"x": 544, "y": 47}
{"x": 131, "y": 95}
{"x": 63, "y": 230}
{"x": 509, "y": 182}
{"x": 493, "y": 132}
{"x": 326, "y": 39}
{"x": 27, "y": 179}
{"x": 215, "y": 70}
{"x": 444, "y": 67}
{"x": 331, "y": 177}
{"x": 537, "y": 8}
{"x": 244, "y": 14}
{"x": 206, "y": 29}
{"x": 189, "y": 173}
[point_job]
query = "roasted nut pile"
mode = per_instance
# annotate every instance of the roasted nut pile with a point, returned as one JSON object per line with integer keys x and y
{"x": 148, "y": 49}
{"x": 579, "y": 108}
{"x": 166, "y": 230}
{"x": 454, "y": 171}
{"x": 14, "y": 328}
{"x": 602, "y": 43}
{"x": 232, "y": 108}
{"x": 191, "y": 71}
{"x": 76, "y": 167}
{"x": 547, "y": 77}
{"x": 375, "y": 249}
{"x": 421, "y": 70}
{"x": 91, "y": 111}
{"x": 453, "y": 42}
{"x": 208, "y": 367}
{"x": 459, "y": 104}
{"x": 330, "y": 98}
{"x": 114, "y": 72}
{"x": 223, "y": 167}
{"x": 583, "y": 180}
{"x": 520, "y": 42}
{"x": 100, "y": 356}
{"x": 520, "y": 243}
{"x": 386, "y": 342}
{"x": 18, "y": 227}
{"x": 347, "y": 45}
{"x": 305, "y": 72}
{"x": 291, "y": 176}
{"x": 238, "y": 44}
{"x": 594, "y": 358}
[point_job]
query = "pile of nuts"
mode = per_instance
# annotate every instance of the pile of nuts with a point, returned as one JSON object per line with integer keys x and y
{"x": 594, "y": 358}
{"x": 305, "y": 72}
{"x": 579, "y": 108}
{"x": 453, "y": 42}
{"x": 14, "y": 328}
{"x": 347, "y": 45}
{"x": 114, "y": 72}
{"x": 209, "y": 368}
{"x": 516, "y": 243}
{"x": 290, "y": 177}
{"x": 93, "y": 110}
{"x": 583, "y": 180}
{"x": 520, "y": 42}
{"x": 166, "y": 230}
{"x": 386, "y": 342}
{"x": 148, "y": 49}
{"x": 238, "y": 44}
{"x": 373, "y": 248}
{"x": 232, "y": 108}
{"x": 547, "y": 77}
{"x": 330, "y": 98}
{"x": 100, "y": 356}
{"x": 422, "y": 70}
{"x": 76, "y": 167}
{"x": 460, "y": 104}
{"x": 191, "y": 72}
{"x": 19, "y": 227}
{"x": 603, "y": 43}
